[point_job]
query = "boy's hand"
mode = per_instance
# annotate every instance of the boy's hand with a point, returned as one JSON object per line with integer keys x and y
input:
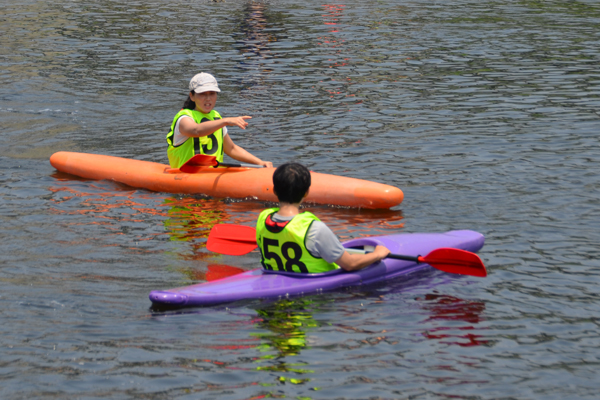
{"x": 381, "y": 251}
{"x": 237, "y": 121}
{"x": 266, "y": 164}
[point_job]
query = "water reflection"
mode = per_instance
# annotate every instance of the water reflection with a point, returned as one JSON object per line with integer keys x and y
{"x": 350, "y": 223}
{"x": 143, "y": 217}
{"x": 286, "y": 323}
{"x": 450, "y": 308}
{"x": 338, "y": 61}
{"x": 185, "y": 218}
{"x": 191, "y": 218}
{"x": 331, "y": 41}
{"x": 255, "y": 27}
{"x": 255, "y": 35}
{"x": 213, "y": 272}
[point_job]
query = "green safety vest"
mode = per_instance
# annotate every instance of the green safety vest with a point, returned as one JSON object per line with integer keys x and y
{"x": 211, "y": 145}
{"x": 282, "y": 245}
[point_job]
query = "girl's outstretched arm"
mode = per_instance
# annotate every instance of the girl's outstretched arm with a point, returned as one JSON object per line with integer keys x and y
{"x": 189, "y": 127}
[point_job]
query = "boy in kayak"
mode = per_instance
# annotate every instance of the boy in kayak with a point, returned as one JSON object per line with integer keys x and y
{"x": 293, "y": 241}
{"x": 199, "y": 129}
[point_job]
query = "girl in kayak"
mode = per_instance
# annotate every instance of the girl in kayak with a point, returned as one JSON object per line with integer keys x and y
{"x": 299, "y": 242}
{"x": 199, "y": 129}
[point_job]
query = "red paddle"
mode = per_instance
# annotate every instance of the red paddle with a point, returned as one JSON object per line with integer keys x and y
{"x": 447, "y": 259}
{"x": 233, "y": 240}
{"x": 199, "y": 160}
{"x": 237, "y": 240}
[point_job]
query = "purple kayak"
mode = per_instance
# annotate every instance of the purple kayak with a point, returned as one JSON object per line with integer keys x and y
{"x": 259, "y": 283}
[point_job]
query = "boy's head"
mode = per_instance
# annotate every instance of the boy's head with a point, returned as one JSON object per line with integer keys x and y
{"x": 291, "y": 182}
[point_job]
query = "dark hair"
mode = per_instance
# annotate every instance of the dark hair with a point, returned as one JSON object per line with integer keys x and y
{"x": 189, "y": 104}
{"x": 291, "y": 182}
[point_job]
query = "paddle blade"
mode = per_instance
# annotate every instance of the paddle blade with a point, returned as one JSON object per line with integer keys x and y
{"x": 455, "y": 261}
{"x": 199, "y": 160}
{"x": 230, "y": 239}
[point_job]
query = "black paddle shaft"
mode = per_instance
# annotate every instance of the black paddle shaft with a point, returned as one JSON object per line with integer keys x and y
{"x": 232, "y": 165}
{"x": 401, "y": 257}
{"x": 394, "y": 256}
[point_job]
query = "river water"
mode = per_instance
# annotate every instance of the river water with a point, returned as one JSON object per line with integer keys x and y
{"x": 485, "y": 113}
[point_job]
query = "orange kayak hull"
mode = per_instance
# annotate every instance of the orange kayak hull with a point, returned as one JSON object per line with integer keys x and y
{"x": 224, "y": 182}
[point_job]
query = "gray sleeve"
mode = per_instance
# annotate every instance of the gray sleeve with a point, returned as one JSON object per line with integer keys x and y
{"x": 322, "y": 242}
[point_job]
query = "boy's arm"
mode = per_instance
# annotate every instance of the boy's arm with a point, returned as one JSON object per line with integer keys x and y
{"x": 189, "y": 127}
{"x": 354, "y": 262}
{"x": 325, "y": 244}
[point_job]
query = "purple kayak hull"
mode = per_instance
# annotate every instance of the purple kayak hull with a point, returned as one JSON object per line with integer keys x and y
{"x": 258, "y": 283}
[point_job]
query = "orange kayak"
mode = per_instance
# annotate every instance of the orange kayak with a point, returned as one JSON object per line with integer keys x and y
{"x": 224, "y": 182}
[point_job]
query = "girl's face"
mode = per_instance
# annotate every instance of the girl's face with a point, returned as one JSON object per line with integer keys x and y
{"x": 205, "y": 101}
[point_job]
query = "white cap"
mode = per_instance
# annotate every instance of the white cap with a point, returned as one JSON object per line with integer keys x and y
{"x": 204, "y": 82}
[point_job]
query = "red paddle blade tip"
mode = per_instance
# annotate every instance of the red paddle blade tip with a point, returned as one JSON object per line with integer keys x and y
{"x": 456, "y": 261}
{"x": 229, "y": 249}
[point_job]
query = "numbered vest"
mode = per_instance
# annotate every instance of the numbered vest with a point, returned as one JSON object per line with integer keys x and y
{"x": 282, "y": 244}
{"x": 211, "y": 145}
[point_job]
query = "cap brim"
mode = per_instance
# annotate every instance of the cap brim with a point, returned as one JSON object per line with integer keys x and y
{"x": 207, "y": 89}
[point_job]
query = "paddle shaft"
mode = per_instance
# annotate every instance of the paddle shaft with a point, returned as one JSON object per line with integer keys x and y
{"x": 369, "y": 249}
{"x": 407, "y": 258}
{"x": 233, "y": 165}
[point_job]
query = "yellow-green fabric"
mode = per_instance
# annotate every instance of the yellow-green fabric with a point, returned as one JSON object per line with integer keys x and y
{"x": 283, "y": 245}
{"x": 211, "y": 145}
